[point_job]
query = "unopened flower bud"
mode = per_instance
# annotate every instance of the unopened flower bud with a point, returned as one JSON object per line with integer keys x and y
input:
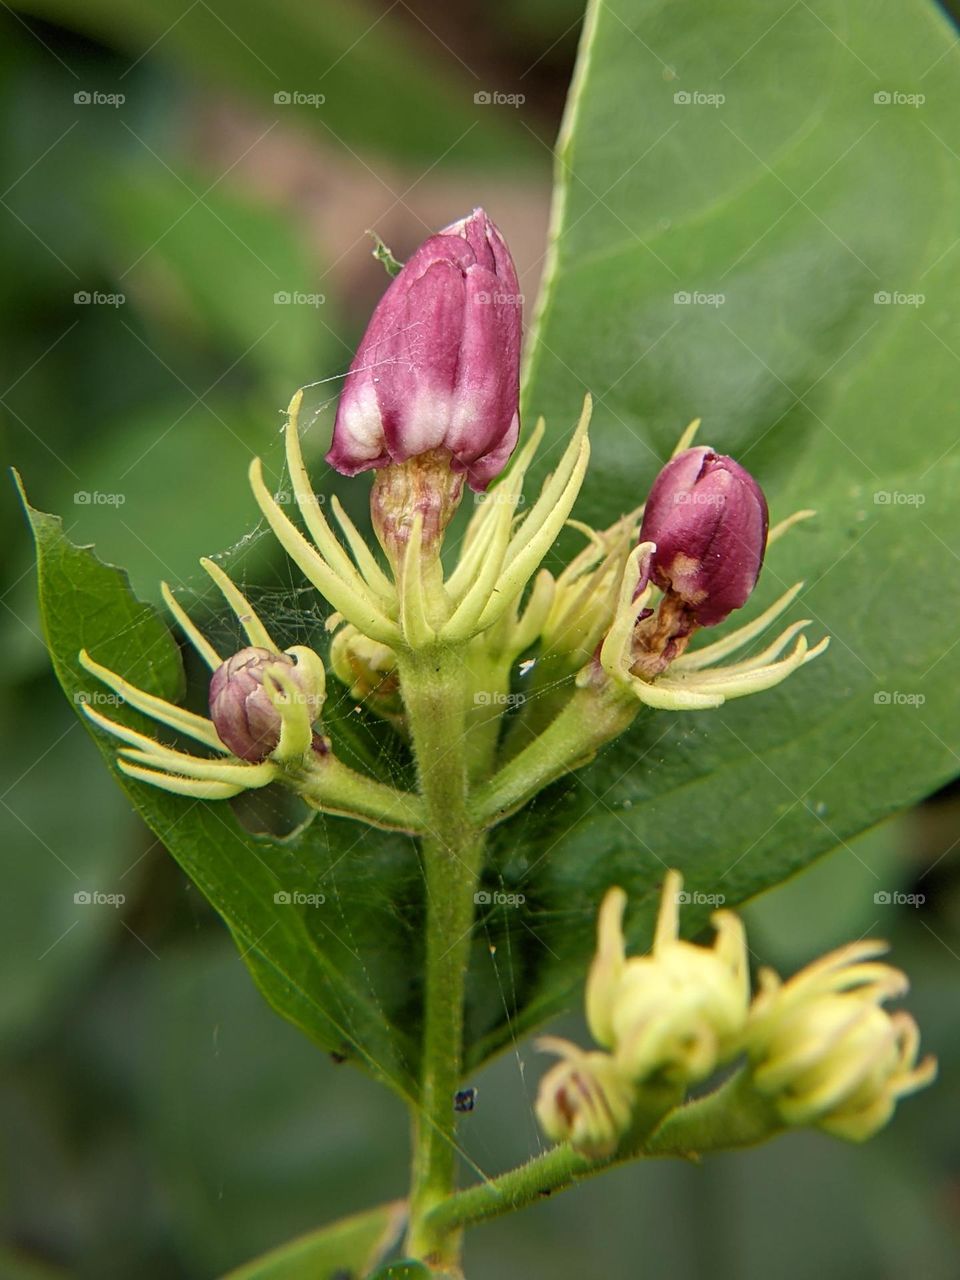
{"x": 242, "y": 711}
{"x": 369, "y": 670}
{"x": 438, "y": 367}
{"x": 584, "y": 1100}
{"x": 708, "y": 518}
{"x": 827, "y": 1052}
{"x": 678, "y": 1012}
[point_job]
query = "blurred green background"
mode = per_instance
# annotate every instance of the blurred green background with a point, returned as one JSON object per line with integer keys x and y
{"x": 186, "y": 189}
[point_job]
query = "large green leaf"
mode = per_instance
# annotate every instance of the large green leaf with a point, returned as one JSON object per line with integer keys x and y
{"x": 344, "y": 969}
{"x": 799, "y": 198}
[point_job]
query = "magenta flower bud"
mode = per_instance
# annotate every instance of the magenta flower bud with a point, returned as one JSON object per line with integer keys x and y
{"x": 439, "y": 364}
{"x": 708, "y": 517}
{"x": 244, "y": 717}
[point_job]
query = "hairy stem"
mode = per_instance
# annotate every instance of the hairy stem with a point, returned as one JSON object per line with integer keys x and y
{"x": 333, "y": 787}
{"x": 435, "y": 687}
{"x": 592, "y": 717}
{"x": 733, "y": 1116}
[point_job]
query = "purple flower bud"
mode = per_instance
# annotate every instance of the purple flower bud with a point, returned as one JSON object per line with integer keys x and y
{"x": 439, "y": 364}
{"x": 708, "y": 517}
{"x": 244, "y": 717}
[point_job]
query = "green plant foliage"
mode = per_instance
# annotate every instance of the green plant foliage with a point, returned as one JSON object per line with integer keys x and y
{"x": 800, "y": 200}
{"x": 792, "y": 204}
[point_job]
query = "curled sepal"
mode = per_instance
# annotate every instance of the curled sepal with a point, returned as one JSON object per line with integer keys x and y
{"x": 825, "y": 1051}
{"x": 584, "y": 1100}
{"x": 539, "y": 528}
{"x": 348, "y": 595}
{"x": 606, "y": 969}
{"x": 296, "y": 708}
{"x": 692, "y": 681}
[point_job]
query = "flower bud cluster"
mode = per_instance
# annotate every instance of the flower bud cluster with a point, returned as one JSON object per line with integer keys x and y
{"x": 431, "y": 403}
{"x": 820, "y": 1047}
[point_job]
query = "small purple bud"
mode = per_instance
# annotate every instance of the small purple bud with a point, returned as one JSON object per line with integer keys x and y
{"x": 708, "y": 517}
{"x": 244, "y": 717}
{"x": 439, "y": 364}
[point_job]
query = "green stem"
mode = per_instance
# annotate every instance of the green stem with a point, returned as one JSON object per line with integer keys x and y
{"x": 333, "y": 787}
{"x": 734, "y": 1115}
{"x": 489, "y": 699}
{"x": 592, "y": 717}
{"x": 435, "y": 688}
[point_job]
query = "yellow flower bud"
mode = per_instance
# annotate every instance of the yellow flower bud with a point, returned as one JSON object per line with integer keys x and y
{"x": 584, "y": 1100}
{"x": 824, "y": 1048}
{"x": 585, "y": 597}
{"x": 677, "y": 1012}
{"x": 369, "y": 669}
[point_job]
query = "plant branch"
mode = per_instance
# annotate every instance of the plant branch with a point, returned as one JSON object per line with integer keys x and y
{"x": 734, "y": 1115}
{"x": 331, "y": 786}
{"x": 592, "y": 717}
